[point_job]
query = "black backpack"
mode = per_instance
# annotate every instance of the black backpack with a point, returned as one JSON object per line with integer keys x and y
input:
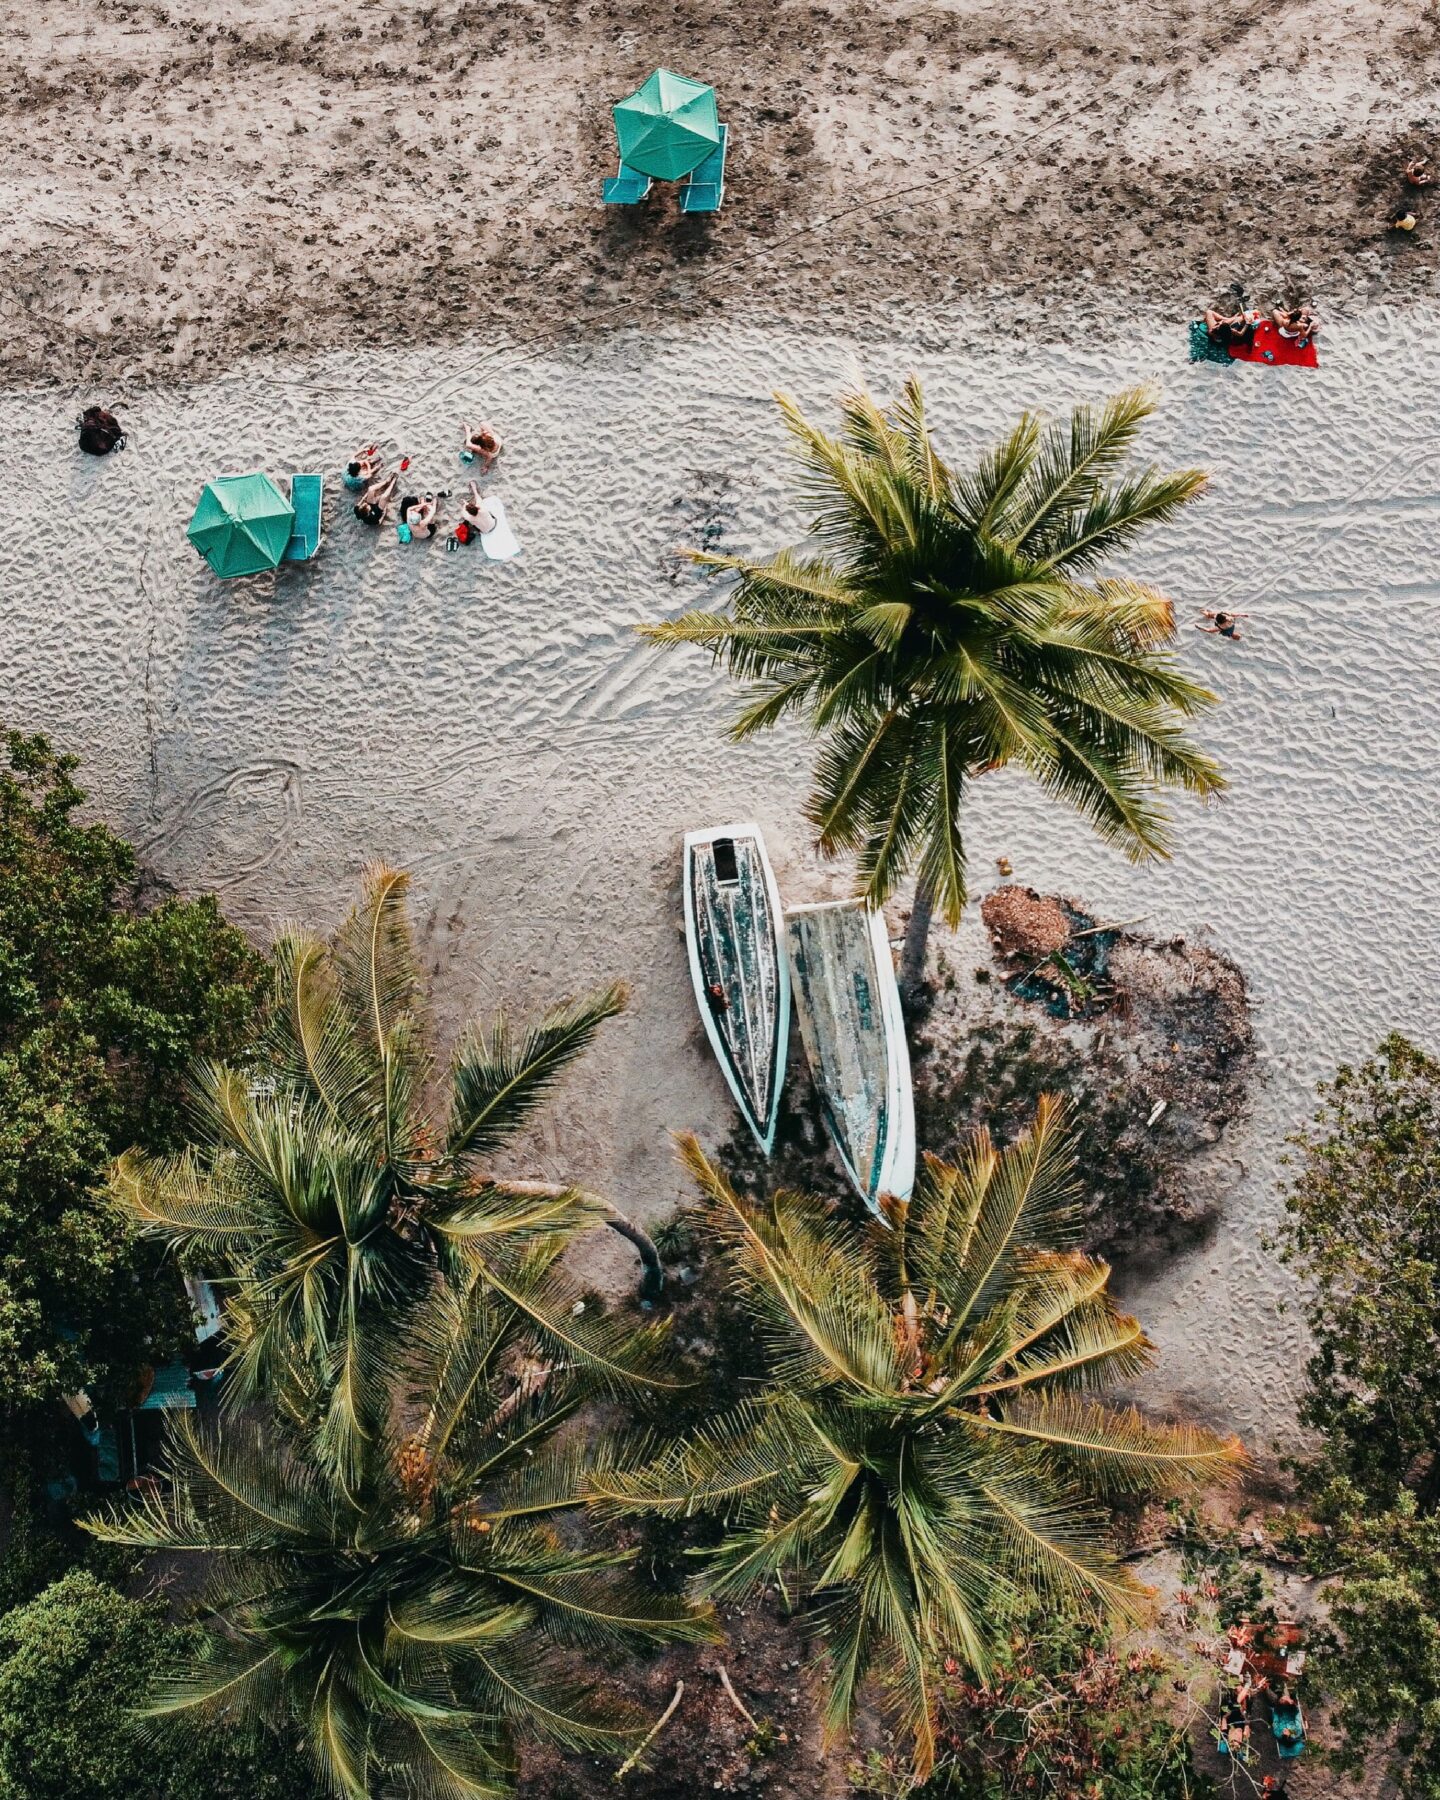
{"x": 100, "y": 432}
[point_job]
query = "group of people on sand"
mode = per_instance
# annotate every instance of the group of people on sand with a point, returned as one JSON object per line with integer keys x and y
{"x": 1300, "y": 323}
{"x": 1233, "y": 1729}
{"x": 1417, "y": 175}
{"x": 418, "y": 516}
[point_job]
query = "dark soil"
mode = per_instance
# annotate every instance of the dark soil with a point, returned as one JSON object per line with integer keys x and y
{"x": 1151, "y": 1041}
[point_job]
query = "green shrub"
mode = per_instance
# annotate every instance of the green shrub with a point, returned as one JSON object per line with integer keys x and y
{"x": 102, "y": 1008}
{"x": 74, "y": 1662}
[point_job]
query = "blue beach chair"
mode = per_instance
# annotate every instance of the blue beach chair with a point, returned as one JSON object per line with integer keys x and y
{"x": 307, "y": 496}
{"x": 1288, "y": 1724}
{"x": 627, "y": 188}
{"x": 706, "y": 187}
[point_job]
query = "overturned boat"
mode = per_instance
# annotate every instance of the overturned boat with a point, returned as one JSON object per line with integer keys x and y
{"x": 848, "y": 1004}
{"x": 733, "y": 924}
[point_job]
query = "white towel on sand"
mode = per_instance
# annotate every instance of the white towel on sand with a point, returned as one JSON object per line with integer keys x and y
{"x": 499, "y": 542}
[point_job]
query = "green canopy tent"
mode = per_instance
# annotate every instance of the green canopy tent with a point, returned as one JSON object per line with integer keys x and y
{"x": 668, "y": 127}
{"x": 242, "y": 524}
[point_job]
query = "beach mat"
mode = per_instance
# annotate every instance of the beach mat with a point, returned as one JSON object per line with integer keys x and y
{"x": 499, "y": 544}
{"x": 1202, "y": 347}
{"x": 1267, "y": 346}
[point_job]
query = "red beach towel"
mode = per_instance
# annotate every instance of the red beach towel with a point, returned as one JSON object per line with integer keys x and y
{"x": 1267, "y": 346}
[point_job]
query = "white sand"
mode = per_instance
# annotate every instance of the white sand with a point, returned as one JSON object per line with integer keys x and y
{"x": 498, "y": 730}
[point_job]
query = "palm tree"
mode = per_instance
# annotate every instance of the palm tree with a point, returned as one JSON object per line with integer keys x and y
{"x": 329, "y": 1201}
{"x": 414, "y": 1617}
{"x": 927, "y": 1453}
{"x": 946, "y": 624}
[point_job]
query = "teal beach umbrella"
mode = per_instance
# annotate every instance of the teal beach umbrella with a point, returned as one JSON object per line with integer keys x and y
{"x": 242, "y": 524}
{"x": 668, "y": 127}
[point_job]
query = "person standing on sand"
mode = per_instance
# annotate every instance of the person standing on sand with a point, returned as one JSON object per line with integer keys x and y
{"x": 1223, "y": 624}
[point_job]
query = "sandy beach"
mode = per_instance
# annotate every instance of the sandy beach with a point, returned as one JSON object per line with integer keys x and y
{"x": 191, "y": 184}
{"x": 499, "y": 730}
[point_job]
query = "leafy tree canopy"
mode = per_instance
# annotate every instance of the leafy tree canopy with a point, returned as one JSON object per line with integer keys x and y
{"x": 939, "y": 623}
{"x": 928, "y": 1454}
{"x": 1378, "y": 1663}
{"x": 102, "y": 1007}
{"x": 1363, "y": 1228}
{"x": 73, "y": 1663}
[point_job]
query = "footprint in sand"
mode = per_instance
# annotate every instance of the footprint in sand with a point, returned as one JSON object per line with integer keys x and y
{"x": 215, "y": 836}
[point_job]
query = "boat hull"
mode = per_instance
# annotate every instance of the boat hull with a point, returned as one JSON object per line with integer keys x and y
{"x": 733, "y": 933}
{"x": 847, "y": 1002}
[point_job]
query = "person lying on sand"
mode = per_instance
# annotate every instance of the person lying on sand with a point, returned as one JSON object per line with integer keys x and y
{"x": 363, "y": 468}
{"x": 1417, "y": 171}
{"x": 1223, "y": 625}
{"x": 1298, "y": 322}
{"x": 482, "y": 445}
{"x": 418, "y": 518}
{"x": 1231, "y": 328}
{"x": 373, "y": 506}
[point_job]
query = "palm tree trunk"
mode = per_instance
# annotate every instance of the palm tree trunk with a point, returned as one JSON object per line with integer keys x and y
{"x": 917, "y": 942}
{"x": 652, "y": 1279}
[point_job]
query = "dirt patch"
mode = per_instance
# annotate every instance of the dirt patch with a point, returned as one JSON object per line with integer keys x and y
{"x": 708, "y": 1745}
{"x": 186, "y": 186}
{"x": 1150, "y": 1040}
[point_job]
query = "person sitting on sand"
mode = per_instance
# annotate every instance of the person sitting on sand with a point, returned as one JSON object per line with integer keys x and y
{"x": 100, "y": 431}
{"x": 482, "y": 445}
{"x": 1248, "y": 1689}
{"x": 373, "y": 506}
{"x": 1222, "y": 624}
{"x": 476, "y": 514}
{"x": 1417, "y": 171}
{"x": 418, "y": 518}
{"x": 363, "y": 468}
{"x": 1299, "y": 323}
{"x": 1402, "y": 219}
{"x": 1230, "y": 328}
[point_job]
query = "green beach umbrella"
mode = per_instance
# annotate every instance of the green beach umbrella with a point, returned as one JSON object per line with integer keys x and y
{"x": 242, "y": 524}
{"x": 668, "y": 127}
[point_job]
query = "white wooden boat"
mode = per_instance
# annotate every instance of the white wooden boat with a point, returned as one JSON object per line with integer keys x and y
{"x": 848, "y": 1003}
{"x": 733, "y": 926}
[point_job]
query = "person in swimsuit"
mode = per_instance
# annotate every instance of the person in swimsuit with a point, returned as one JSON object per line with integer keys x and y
{"x": 1231, "y": 328}
{"x": 419, "y": 518}
{"x": 373, "y": 506}
{"x": 1417, "y": 171}
{"x": 1299, "y": 323}
{"x": 1222, "y": 624}
{"x": 476, "y": 514}
{"x": 363, "y": 468}
{"x": 482, "y": 445}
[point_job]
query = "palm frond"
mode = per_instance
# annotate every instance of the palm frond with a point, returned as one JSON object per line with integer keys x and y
{"x": 498, "y": 1081}
{"x": 1117, "y": 1451}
